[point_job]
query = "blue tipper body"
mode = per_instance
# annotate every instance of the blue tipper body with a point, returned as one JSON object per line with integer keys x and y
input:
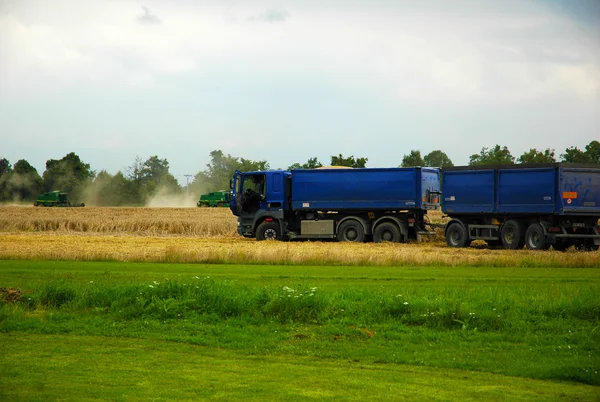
{"x": 555, "y": 189}
{"x": 365, "y": 189}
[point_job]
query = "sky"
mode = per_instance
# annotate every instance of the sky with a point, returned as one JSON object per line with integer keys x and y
{"x": 285, "y": 81}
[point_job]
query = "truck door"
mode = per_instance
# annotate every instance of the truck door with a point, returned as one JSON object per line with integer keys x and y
{"x": 235, "y": 191}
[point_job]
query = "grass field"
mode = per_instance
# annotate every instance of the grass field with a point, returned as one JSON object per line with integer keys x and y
{"x": 140, "y": 303}
{"x": 495, "y": 326}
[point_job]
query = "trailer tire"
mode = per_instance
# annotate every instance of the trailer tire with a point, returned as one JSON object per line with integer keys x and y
{"x": 512, "y": 234}
{"x": 268, "y": 231}
{"x": 387, "y": 231}
{"x": 535, "y": 239}
{"x": 351, "y": 230}
{"x": 456, "y": 236}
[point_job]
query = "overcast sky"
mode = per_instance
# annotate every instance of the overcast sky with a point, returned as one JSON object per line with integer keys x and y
{"x": 284, "y": 81}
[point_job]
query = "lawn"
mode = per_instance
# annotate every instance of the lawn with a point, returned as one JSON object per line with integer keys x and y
{"x": 274, "y": 332}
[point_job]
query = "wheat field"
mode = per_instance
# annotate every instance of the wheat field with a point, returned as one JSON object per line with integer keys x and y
{"x": 196, "y": 222}
{"x": 208, "y": 235}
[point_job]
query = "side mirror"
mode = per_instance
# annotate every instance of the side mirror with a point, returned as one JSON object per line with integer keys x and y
{"x": 231, "y": 184}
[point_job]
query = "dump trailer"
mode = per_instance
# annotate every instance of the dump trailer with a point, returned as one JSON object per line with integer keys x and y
{"x": 215, "y": 199}
{"x": 355, "y": 205}
{"x": 536, "y": 206}
{"x": 55, "y": 199}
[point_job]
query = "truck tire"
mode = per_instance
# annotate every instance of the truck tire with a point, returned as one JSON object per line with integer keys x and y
{"x": 456, "y": 236}
{"x": 219, "y": 204}
{"x": 512, "y": 234}
{"x": 535, "y": 239}
{"x": 387, "y": 231}
{"x": 351, "y": 230}
{"x": 268, "y": 231}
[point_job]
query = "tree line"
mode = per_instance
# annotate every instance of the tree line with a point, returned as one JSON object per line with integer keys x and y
{"x": 144, "y": 179}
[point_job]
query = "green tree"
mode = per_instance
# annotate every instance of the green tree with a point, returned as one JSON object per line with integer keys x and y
{"x": 312, "y": 163}
{"x": 533, "y": 156}
{"x": 69, "y": 174}
{"x": 5, "y": 172}
{"x": 574, "y": 155}
{"x": 24, "y": 182}
{"x": 5, "y": 167}
{"x": 349, "y": 161}
{"x": 592, "y": 150}
{"x": 494, "y": 156}
{"x": 413, "y": 159}
{"x": 437, "y": 158}
{"x": 156, "y": 175}
{"x": 144, "y": 179}
{"x": 108, "y": 190}
{"x": 220, "y": 170}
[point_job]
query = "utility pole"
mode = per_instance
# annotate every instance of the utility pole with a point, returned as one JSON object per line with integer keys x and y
{"x": 187, "y": 183}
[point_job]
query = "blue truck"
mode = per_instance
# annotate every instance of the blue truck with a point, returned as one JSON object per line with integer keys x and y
{"x": 536, "y": 206}
{"x": 356, "y": 205}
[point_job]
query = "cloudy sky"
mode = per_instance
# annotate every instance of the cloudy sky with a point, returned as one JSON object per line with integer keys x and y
{"x": 283, "y": 81}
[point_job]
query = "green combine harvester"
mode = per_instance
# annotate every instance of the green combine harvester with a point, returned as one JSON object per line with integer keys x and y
{"x": 215, "y": 199}
{"x": 55, "y": 199}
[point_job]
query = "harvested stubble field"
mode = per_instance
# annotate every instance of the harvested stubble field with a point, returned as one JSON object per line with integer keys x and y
{"x": 207, "y": 235}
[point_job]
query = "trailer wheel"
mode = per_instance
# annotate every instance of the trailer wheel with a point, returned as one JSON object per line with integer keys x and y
{"x": 512, "y": 234}
{"x": 351, "y": 230}
{"x": 456, "y": 236}
{"x": 387, "y": 231}
{"x": 268, "y": 231}
{"x": 535, "y": 238}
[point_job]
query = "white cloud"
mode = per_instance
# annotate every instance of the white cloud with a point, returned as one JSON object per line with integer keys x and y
{"x": 425, "y": 55}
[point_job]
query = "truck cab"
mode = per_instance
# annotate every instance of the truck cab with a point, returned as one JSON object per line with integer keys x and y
{"x": 259, "y": 197}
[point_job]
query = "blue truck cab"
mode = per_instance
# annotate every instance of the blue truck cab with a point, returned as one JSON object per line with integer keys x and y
{"x": 257, "y": 197}
{"x": 379, "y": 204}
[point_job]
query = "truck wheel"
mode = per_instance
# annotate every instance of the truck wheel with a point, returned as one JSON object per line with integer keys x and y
{"x": 387, "y": 231}
{"x": 535, "y": 238}
{"x": 268, "y": 231}
{"x": 456, "y": 236}
{"x": 219, "y": 204}
{"x": 36, "y": 204}
{"x": 512, "y": 234}
{"x": 351, "y": 230}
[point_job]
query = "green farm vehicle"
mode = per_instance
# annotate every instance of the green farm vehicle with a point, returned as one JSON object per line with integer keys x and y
{"x": 55, "y": 199}
{"x": 215, "y": 199}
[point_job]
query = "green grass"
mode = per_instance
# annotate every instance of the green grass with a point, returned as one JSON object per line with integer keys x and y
{"x": 532, "y": 323}
{"x": 50, "y": 367}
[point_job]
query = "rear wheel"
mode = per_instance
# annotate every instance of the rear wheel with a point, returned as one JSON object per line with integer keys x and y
{"x": 387, "y": 231}
{"x": 535, "y": 239}
{"x": 268, "y": 231}
{"x": 456, "y": 236}
{"x": 512, "y": 234}
{"x": 351, "y": 230}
